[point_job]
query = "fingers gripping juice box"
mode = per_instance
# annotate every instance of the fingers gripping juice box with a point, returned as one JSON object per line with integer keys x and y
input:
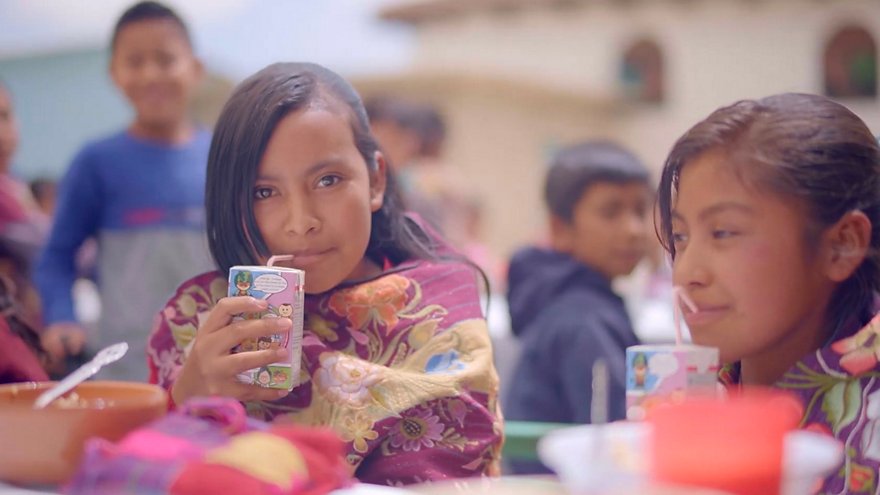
{"x": 283, "y": 289}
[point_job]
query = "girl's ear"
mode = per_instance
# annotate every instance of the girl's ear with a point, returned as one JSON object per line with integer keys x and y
{"x": 848, "y": 241}
{"x": 378, "y": 181}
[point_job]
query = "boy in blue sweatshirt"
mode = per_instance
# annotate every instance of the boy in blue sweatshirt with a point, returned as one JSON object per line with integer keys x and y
{"x": 562, "y": 307}
{"x": 140, "y": 192}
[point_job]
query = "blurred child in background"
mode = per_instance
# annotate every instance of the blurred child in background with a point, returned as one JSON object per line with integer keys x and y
{"x": 413, "y": 136}
{"x": 562, "y": 306}
{"x": 22, "y": 233}
{"x": 140, "y": 192}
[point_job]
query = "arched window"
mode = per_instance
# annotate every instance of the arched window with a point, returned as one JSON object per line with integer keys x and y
{"x": 641, "y": 71}
{"x": 851, "y": 64}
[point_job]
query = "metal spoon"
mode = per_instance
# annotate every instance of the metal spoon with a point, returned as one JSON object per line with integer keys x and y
{"x": 104, "y": 357}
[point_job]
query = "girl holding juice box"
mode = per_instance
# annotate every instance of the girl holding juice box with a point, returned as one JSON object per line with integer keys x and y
{"x": 396, "y": 357}
{"x": 770, "y": 210}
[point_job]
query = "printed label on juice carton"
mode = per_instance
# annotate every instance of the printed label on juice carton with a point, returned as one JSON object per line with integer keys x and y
{"x": 662, "y": 373}
{"x": 283, "y": 289}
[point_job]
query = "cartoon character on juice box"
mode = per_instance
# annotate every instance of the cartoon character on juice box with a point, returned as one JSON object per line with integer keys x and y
{"x": 640, "y": 369}
{"x": 243, "y": 283}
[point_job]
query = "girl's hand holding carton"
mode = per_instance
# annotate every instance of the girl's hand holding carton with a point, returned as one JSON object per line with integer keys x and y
{"x": 211, "y": 370}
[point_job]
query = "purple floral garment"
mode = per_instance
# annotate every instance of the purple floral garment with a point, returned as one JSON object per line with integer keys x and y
{"x": 839, "y": 386}
{"x": 399, "y": 366}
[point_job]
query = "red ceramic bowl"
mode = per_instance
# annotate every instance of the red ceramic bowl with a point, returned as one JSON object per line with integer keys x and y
{"x": 45, "y": 446}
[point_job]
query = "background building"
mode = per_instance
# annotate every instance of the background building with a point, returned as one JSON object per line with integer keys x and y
{"x": 518, "y": 78}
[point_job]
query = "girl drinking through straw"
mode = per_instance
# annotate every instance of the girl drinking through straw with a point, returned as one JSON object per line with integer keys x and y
{"x": 396, "y": 355}
{"x": 770, "y": 210}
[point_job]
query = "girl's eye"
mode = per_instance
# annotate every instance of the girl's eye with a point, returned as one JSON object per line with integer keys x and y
{"x": 678, "y": 239}
{"x": 722, "y": 234}
{"x": 329, "y": 180}
{"x": 262, "y": 193}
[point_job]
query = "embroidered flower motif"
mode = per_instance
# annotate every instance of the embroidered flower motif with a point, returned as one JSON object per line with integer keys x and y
{"x": 183, "y": 335}
{"x": 346, "y": 380}
{"x": 323, "y": 328}
{"x": 447, "y": 362}
{"x": 458, "y": 410}
{"x": 217, "y": 289}
{"x": 413, "y": 432}
{"x": 378, "y": 302}
{"x": 422, "y": 333}
{"x": 169, "y": 312}
{"x": 187, "y": 306}
{"x": 167, "y": 364}
{"x": 358, "y": 430}
{"x": 861, "y": 351}
{"x": 862, "y": 479}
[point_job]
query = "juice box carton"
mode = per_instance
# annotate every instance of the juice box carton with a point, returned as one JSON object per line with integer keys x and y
{"x": 664, "y": 373}
{"x": 283, "y": 289}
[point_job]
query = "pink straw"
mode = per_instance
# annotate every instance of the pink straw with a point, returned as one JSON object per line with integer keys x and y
{"x": 680, "y": 297}
{"x": 279, "y": 257}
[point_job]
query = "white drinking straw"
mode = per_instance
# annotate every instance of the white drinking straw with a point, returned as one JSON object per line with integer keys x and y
{"x": 680, "y": 297}
{"x": 279, "y": 257}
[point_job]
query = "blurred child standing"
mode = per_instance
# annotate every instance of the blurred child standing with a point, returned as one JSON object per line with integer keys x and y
{"x": 562, "y": 306}
{"x": 140, "y": 192}
{"x": 21, "y": 233}
{"x": 22, "y": 225}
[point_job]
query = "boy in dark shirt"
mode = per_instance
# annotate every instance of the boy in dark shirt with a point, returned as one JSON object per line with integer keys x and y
{"x": 562, "y": 306}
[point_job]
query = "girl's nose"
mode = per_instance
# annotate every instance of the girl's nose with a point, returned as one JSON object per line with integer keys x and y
{"x": 301, "y": 218}
{"x": 689, "y": 269}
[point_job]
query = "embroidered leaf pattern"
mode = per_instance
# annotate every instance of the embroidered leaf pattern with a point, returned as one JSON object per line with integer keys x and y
{"x": 841, "y": 404}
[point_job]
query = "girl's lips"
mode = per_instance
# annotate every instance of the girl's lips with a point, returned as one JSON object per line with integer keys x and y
{"x": 306, "y": 259}
{"x": 704, "y": 316}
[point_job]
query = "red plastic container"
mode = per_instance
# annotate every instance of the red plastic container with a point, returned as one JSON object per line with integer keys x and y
{"x": 734, "y": 444}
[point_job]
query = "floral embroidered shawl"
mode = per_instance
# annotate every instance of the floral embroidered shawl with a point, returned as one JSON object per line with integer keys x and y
{"x": 839, "y": 386}
{"x": 399, "y": 366}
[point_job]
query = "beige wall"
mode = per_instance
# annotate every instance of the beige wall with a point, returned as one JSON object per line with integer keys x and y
{"x": 716, "y": 52}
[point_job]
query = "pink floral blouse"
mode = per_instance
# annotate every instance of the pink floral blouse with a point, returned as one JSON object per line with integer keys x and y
{"x": 399, "y": 366}
{"x": 839, "y": 386}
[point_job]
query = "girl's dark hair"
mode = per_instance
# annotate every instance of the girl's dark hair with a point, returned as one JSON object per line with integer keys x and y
{"x": 243, "y": 130}
{"x": 807, "y": 148}
{"x": 148, "y": 11}
{"x": 577, "y": 167}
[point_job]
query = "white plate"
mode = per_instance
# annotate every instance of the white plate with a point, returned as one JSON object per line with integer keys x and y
{"x": 620, "y": 459}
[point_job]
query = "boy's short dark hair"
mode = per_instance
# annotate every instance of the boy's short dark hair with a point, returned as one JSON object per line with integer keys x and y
{"x": 148, "y": 11}
{"x": 579, "y": 166}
